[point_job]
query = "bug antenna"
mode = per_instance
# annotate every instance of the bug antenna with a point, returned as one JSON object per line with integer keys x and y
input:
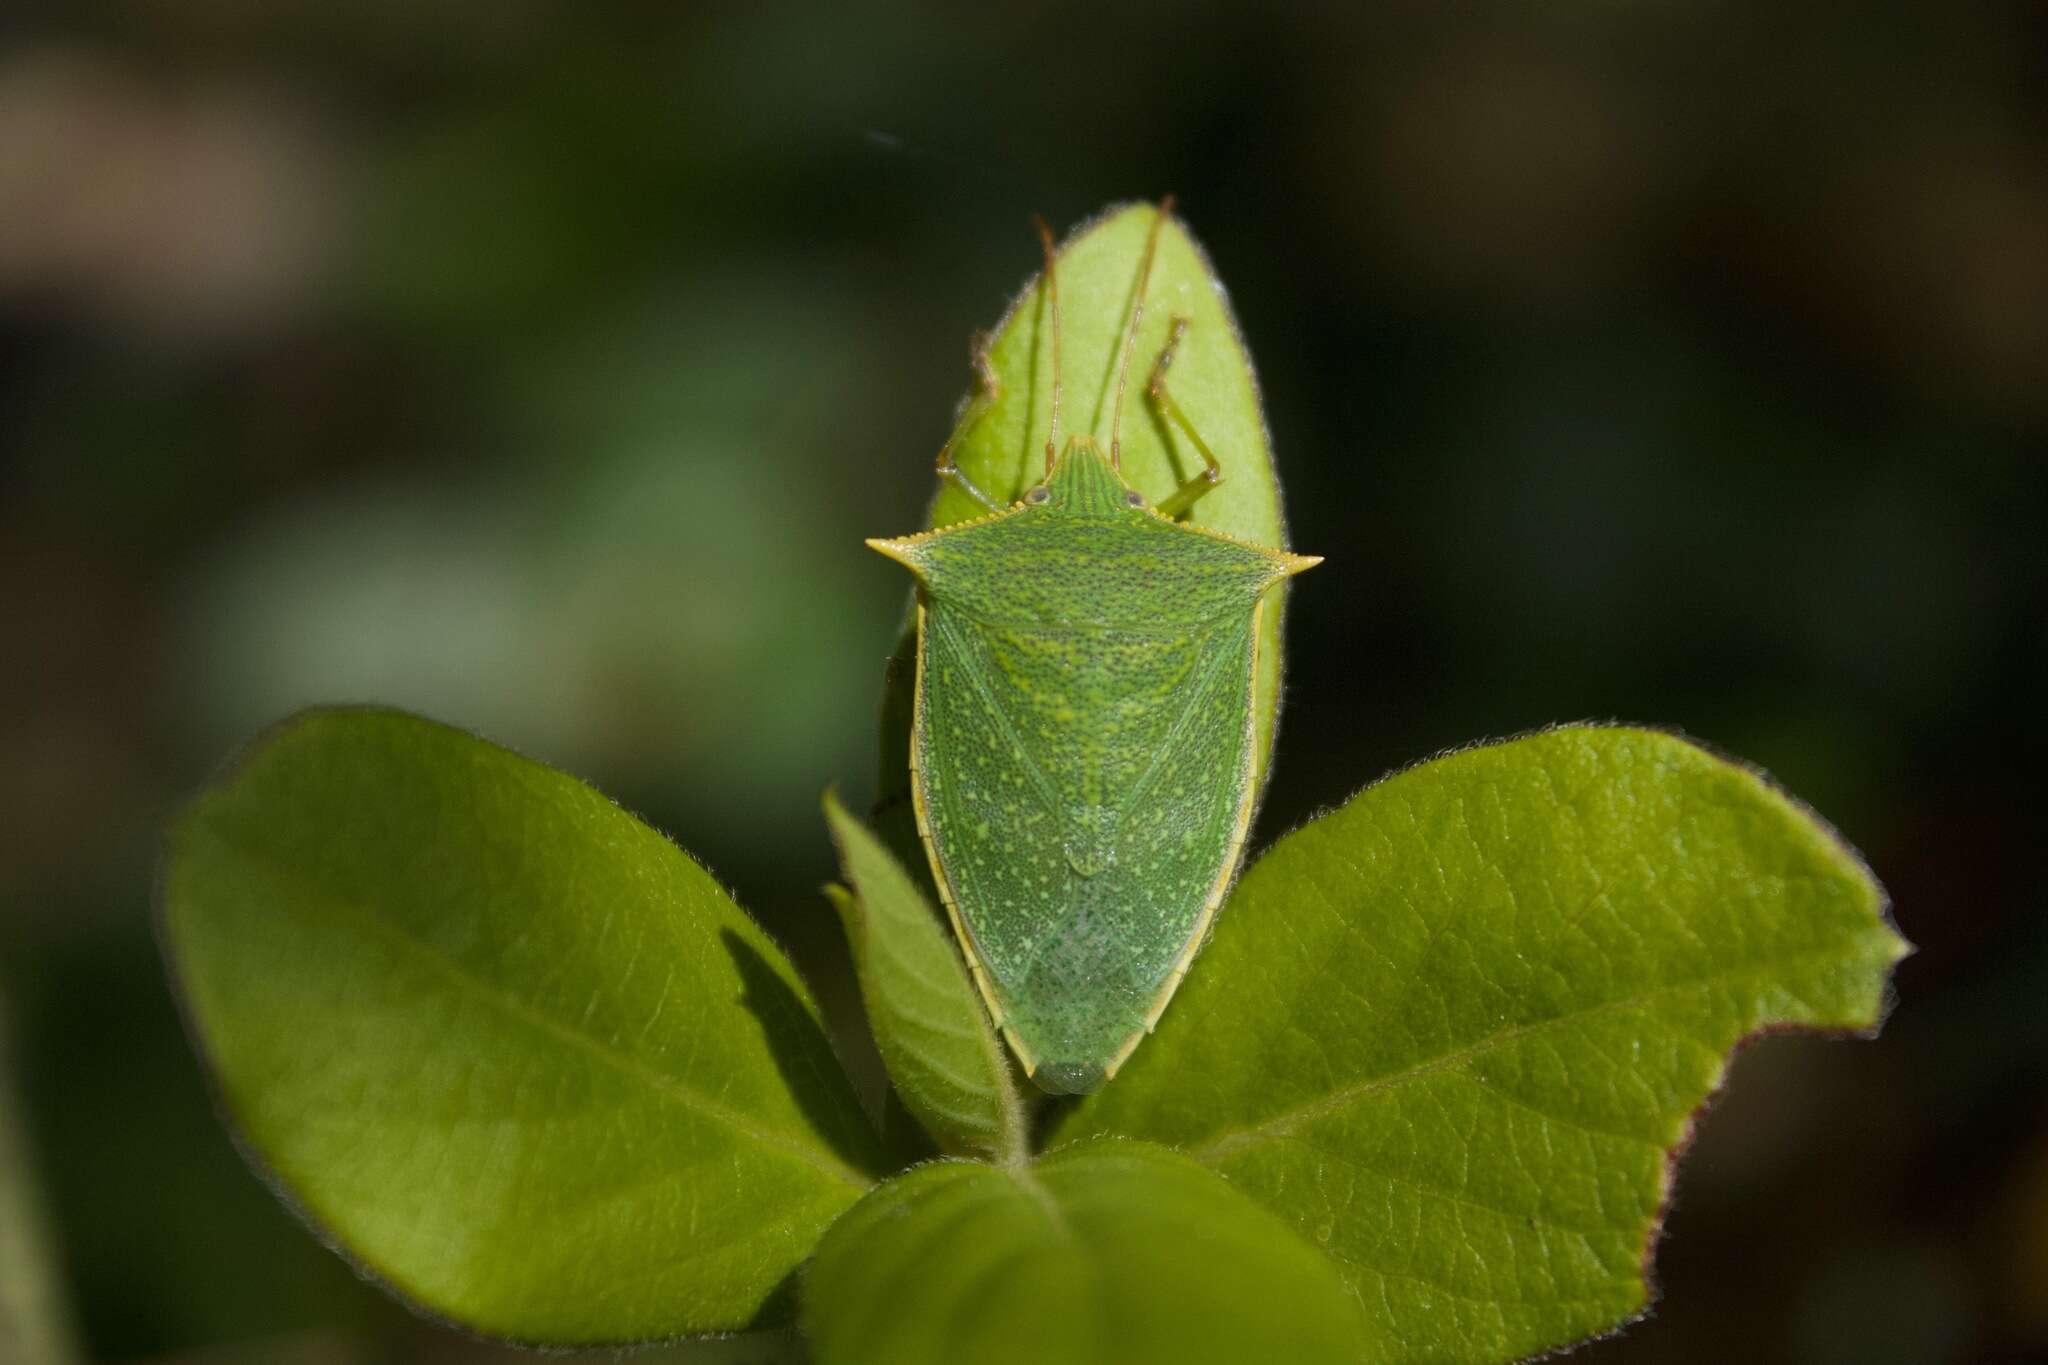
{"x": 1123, "y": 369}
{"x": 1052, "y": 291}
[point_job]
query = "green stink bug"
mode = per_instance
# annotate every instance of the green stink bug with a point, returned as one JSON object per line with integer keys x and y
{"x": 1083, "y": 745}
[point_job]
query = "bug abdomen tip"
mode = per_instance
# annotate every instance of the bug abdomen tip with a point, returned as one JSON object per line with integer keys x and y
{"x": 1069, "y": 1078}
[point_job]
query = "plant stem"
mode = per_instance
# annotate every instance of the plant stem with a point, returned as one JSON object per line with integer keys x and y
{"x": 35, "y": 1326}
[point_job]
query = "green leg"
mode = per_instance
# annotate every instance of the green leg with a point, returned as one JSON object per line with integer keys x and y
{"x": 1177, "y": 503}
{"x": 977, "y": 408}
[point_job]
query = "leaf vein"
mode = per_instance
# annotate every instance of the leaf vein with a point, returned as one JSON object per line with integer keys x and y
{"x": 668, "y": 1086}
{"x": 1284, "y": 1123}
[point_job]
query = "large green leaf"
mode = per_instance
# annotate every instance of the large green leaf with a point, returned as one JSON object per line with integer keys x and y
{"x": 1456, "y": 1031}
{"x": 948, "y": 1065}
{"x": 1110, "y": 1253}
{"x": 1211, "y": 379}
{"x": 509, "y": 1048}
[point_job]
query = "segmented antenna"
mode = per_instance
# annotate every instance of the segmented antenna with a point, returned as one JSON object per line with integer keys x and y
{"x": 1052, "y": 291}
{"x": 1123, "y": 369}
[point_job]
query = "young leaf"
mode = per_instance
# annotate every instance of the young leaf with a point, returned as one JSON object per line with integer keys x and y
{"x": 934, "y": 1035}
{"x": 1212, "y": 381}
{"x": 1108, "y": 1253}
{"x": 1456, "y": 1032}
{"x": 510, "y": 1049}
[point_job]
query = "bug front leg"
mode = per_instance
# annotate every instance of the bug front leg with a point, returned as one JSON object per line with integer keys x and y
{"x": 1177, "y": 503}
{"x": 989, "y": 390}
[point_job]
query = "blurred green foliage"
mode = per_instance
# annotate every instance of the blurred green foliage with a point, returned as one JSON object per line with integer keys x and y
{"x": 1684, "y": 363}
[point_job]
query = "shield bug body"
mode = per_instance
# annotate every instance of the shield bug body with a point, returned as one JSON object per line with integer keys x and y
{"x": 1083, "y": 744}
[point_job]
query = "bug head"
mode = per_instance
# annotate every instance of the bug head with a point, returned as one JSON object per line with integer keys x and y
{"x": 1083, "y": 482}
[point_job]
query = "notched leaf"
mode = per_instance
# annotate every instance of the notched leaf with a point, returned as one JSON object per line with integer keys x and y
{"x": 511, "y": 1050}
{"x": 949, "y": 1067}
{"x": 1455, "y": 1030}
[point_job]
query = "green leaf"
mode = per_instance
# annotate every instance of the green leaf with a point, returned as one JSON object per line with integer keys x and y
{"x": 510, "y": 1049}
{"x": 1211, "y": 379}
{"x": 933, "y": 1034}
{"x": 1456, "y": 1032}
{"x": 1110, "y": 1253}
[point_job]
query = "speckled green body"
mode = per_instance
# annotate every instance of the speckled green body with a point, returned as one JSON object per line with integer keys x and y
{"x": 1082, "y": 752}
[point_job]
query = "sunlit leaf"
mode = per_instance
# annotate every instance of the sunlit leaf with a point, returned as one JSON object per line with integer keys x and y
{"x": 1113, "y": 1253}
{"x": 510, "y": 1049}
{"x": 1456, "y": 1031}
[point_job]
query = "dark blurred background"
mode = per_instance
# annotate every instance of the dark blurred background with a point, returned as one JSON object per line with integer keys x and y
{"x": 540, "y": 366}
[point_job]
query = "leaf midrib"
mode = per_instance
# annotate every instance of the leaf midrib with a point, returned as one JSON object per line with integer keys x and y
{"x": 1231, "y": 1142}
{"x": 663, "y": 1084}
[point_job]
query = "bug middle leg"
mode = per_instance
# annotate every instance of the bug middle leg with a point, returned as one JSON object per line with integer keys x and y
{"x": 988, "y": 390}
{"x": 1177, "y": 503}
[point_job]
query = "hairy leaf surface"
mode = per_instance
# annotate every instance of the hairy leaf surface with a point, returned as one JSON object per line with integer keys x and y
{"x": 1110, "y": 1253}
{"x": 510, "y": 1049}
{"x": 1456, "y": 1031}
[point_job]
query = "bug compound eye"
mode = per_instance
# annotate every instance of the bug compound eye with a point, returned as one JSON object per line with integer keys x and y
{"x": 1038, "y": 496}
{"x": 1135, "y": 498}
